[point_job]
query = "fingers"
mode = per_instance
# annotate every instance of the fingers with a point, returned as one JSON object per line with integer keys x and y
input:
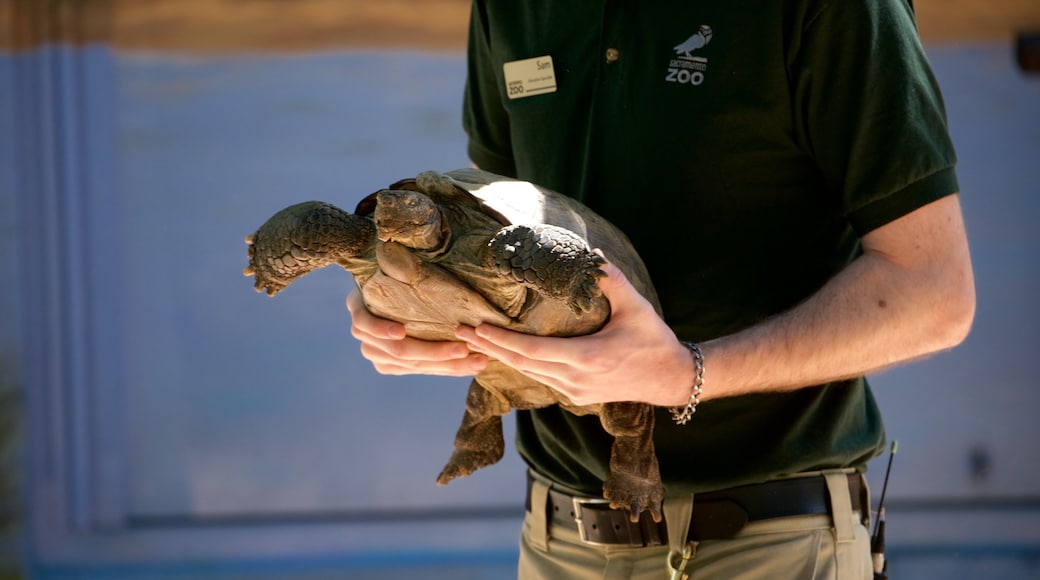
{"x": 391, "y": 352}
{"x": 618, "y": 290}
{"x": 366, "y": 324}
{"x": 554, "y": 362}
{"x": 469, "y": 366}
{"x": 517, "y": 349}
{"x": 634, "y": 357}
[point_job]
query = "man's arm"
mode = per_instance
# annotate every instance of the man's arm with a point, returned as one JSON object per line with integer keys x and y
{"x": 910, "y": 294}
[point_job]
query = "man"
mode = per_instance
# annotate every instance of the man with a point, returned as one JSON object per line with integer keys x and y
{"x": 785, "y": 171}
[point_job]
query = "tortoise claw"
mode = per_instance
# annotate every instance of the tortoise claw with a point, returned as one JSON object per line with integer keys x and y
{"x": 634, "y": 494}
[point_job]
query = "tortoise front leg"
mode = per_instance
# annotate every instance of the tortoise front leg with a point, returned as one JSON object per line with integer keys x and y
{"x": 634, "y": 482}
{"x": 305, "y": 237}
{"x": 552, "y": 260}
{"x": 478, "y": 442}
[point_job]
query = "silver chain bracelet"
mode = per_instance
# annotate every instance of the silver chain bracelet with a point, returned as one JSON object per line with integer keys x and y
{"x": 683, "y": 414}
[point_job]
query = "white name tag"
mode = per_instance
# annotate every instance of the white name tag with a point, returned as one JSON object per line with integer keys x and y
{"x": 529, "y": 77}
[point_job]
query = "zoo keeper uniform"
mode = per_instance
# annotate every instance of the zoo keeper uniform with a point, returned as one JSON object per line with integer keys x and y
{"x": 744, "y": 147}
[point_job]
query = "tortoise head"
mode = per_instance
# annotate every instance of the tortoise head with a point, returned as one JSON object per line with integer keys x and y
{"x": 302, "y": 238}
{"x": 409, "y": 218}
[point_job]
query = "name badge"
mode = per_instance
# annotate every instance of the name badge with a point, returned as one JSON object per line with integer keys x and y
{"x": 529, "y": 77}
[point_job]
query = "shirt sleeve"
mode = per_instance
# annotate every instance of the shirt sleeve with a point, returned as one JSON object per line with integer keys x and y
{"x": 484, "y": 118}
{"x": 870, "y": 110}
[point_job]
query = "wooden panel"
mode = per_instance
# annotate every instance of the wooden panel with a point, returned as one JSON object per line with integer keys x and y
{"x": 25, "y": 24}
{"x": 236, "y": 25}
{"x": 976, "y": 20}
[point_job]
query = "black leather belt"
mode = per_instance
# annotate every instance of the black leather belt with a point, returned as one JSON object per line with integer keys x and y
{"x": 716, "y": 515}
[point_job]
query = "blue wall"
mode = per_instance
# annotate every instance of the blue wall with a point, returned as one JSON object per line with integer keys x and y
{"x": 188, "y": 427}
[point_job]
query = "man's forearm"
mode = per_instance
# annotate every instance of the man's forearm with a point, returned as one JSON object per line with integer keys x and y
{"x": 909, "y": 295}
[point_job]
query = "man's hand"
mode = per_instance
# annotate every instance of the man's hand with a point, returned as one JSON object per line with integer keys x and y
{"x": 385, "y": 345}
{"x": 635, "y": 357}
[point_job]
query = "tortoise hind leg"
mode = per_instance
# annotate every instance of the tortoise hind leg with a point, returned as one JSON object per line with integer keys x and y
{"x": 634, "y": 482}
{"x": 479, "y": 441}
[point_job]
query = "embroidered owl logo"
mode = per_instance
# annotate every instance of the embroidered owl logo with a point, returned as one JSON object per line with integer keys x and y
{"x": 699, "y": 40}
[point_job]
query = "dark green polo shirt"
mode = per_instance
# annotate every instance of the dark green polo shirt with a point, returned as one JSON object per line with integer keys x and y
{"x": 744, "y": 147}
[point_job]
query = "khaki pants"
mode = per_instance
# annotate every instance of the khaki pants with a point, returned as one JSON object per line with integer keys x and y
{"x": 795, "y": 548}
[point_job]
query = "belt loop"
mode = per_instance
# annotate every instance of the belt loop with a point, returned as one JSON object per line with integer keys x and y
{"x": 678, "y": 516}
{"x": 678, "y": 513}
{"x": 841, "y": 505}
{"x": 539, "y": 531}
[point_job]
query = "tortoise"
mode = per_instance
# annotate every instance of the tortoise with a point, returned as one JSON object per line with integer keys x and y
{"x": 471, "y": 247}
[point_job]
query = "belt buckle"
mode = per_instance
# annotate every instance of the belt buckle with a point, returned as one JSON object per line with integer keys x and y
{"x": 579, "y": 503}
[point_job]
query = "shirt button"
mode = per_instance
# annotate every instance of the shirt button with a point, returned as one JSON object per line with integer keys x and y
{"x": 612, "y": 55}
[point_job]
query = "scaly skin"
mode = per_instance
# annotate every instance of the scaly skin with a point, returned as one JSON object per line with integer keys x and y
{"x": 408, "y": 218}
{"x": 302, "y": 238}
{"x": 552, "y": 260}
